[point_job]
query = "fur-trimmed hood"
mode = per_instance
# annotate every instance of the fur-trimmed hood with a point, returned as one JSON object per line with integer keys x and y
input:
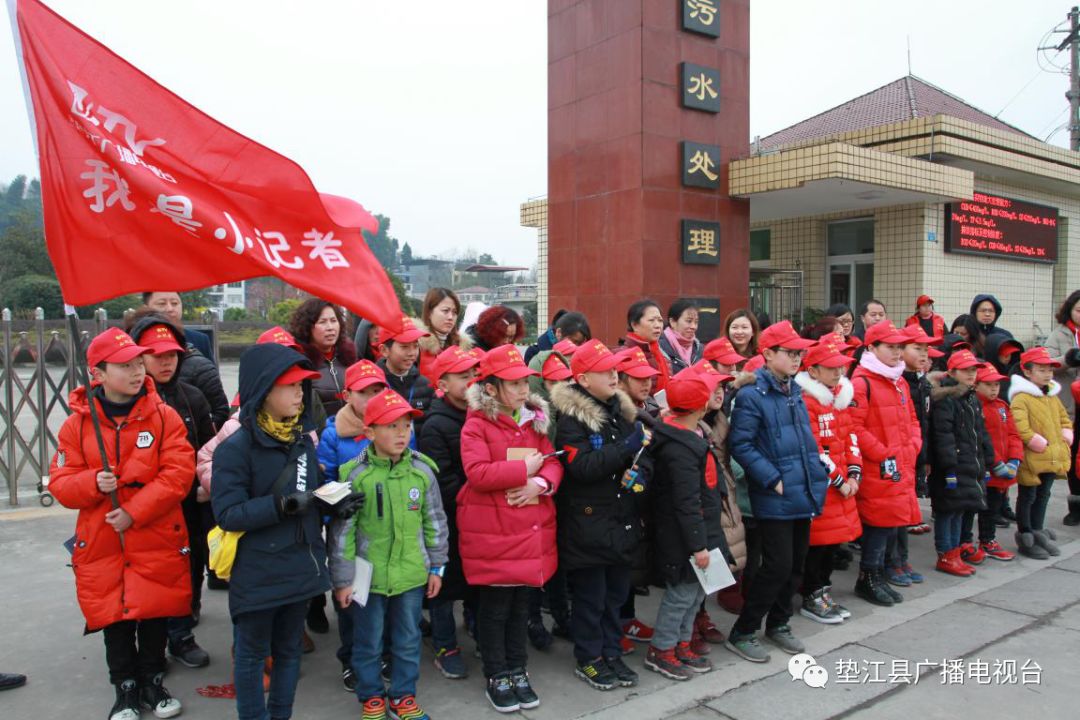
{"x": 570, "y": 400}
{"x": 486, "y": 405}
{"x": 1020, "y": 384}
{"x": 431, "y": 344}
{"x": 946, "y": 388}
{"x": 819, "y": 391}
{"x": 744, "y": 378}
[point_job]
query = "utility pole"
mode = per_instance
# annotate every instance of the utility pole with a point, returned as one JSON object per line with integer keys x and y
{"x": 1073, "y": 40}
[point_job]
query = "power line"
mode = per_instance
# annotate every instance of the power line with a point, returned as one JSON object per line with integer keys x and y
{"x": 1019, "y": 92}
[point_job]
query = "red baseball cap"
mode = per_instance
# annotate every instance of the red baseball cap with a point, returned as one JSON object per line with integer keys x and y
{"x": 722, "y": 351}
{"x": 593, "y": 356}
{"x": 1036, "y": 355}
{"x": 915, "y": 334}
{"x": 754, "y": 364}
{"x": 454, "y": 359}
{"x": 782, "y": 335}
{"x": 988, "y": 374}
{"x": 964, "y": 359}
{"x": 506, "y": 363}
{"x": 827, "y": 353}
{"x": 281, "y": 336}
{"x": 160, "y": 340}
{"x": 407, "y": 334}
{"x": 706, "y": 368}
{"x": 362, "y": 374}
{"x": 386, "y": 407}
{"x": 565, "y": 348}
{"x": 690, "y": 390}
{"x": 1007, "y": 347}
{"x": 555, "y": 369}
{"x": 632, "y": 362}
{"x": 296, "y": 374}
{"x": 113, "y": 346}
{"x": 923, "y": 300}
{"x": 934, "y": 353}
{"x": 885, "y": 332}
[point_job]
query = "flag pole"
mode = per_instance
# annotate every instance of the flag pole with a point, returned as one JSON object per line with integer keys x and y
{"x": 84, "y": 378}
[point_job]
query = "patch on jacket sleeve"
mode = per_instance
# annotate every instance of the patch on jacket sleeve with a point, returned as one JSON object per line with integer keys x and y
{"x": 414, "y": 498}
{"x": 144, "y": 440}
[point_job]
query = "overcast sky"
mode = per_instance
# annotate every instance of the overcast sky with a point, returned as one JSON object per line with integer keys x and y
{"x": 434, "y": 113}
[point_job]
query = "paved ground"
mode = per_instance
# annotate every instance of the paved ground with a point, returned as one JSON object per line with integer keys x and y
{"x": 1020, "y": 611}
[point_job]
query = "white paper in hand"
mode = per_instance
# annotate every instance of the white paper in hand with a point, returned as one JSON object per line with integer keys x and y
{"x": 715, "y": 577}
{"x": 333, "y": 492}
{"x": 362, "y": 581}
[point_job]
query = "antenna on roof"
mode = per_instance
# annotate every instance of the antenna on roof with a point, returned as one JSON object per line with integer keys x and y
{"x": 908, "y": 54}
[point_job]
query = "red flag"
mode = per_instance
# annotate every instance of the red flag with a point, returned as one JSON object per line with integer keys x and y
{"x": 141, "y": 191}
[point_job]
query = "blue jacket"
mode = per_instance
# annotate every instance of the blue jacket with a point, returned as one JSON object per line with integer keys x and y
{"x": 279, "y": 560}
{"x": 335, "y": 451}
{"x": 772, "y": 440}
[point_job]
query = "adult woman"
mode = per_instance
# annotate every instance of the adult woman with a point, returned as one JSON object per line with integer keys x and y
{"x": 645, "y": 323}
{"x": 844, "y": 317}
{"x": 318, "y": 326}
{"x": 498, "y": 325}
{"x": 439, "y": 315}
{"x": 1064, "y": 346}
{"x": 960, "y": 327}
{"x": 741, "y": 328}
{"x": 679, "y": 341}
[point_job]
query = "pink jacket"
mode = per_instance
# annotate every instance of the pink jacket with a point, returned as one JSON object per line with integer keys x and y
{"x": 499, "y": 544}
{"x": 204, "y": 461}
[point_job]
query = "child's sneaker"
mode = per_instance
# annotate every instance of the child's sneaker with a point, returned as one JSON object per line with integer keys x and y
{"x": 842, "y": 611}
{"x": 597, "y": 673}
{"x": 374, "y": 709}
{"x": 703, "y": 625}
{"x": 910, "y": 572}
{"x": 995, "y": 551}
{"x": 951, "y": 564}
{"x": 626, "y": 645}
{"x": 783, "y": 639}
{"x": 501, "y": 695}
{"x": 348, "y": 678}
{"x": 815, "y": 607}
{"x": 539, "y": 636}
{"x": 127, "y": 705}
{"x": 748, "y": 647}
{"x": 405, "y": 708}
{"x": 523, "y": 689}
{"x": 384, "y": 668}
{"x": 896, "y": 576}
{"x": 637, "y": 631}
{"x": 156, "y": 698}
{"x": 451, "y": 664}
{"x": 972, "y": 554}
{"x": 666, "y": 663}
{"x": 188, "y": 653}
{"x": 691, "y": 660}
{"x": 626, "y": 676}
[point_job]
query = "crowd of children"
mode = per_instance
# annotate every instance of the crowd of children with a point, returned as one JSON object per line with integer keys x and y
{"x": 572, "y": 482}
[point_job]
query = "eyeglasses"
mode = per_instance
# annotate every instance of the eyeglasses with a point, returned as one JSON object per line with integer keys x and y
{"x": 793, "y": 354}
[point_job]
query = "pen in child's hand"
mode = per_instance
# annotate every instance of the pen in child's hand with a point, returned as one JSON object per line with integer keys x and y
{"x": 557, "y": 453}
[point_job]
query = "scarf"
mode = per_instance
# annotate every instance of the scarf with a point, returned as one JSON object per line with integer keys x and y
{"x": 348, "y": 423}
{"x": 684, "y": 347}
{"x": 1075, "y": 331}
{"x": 285, "y": 431}
{"x": 871, "y": 363}
{"x": 656, "y": 360}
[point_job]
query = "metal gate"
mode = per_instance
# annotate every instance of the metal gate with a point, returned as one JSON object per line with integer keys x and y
{"x": 777, "y": 293}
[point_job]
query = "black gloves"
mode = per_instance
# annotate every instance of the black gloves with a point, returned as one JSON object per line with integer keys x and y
{"x": 346, "y": 507}
{"x": 295, "y": 504}
{"x": 636, "y": 439}
{"x": 1072, "y": 358}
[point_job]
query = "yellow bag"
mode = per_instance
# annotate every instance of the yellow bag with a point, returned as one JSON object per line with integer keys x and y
{"x": 223, "y": 550}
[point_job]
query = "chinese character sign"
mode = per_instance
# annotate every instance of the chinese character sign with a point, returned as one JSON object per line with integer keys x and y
{"x": 142, "y": 191}
{"x": 700, "y": 242}
{"x": 700, "y": 165}
{"x": 700, "y": 87}
{"x": 701, "y": 16}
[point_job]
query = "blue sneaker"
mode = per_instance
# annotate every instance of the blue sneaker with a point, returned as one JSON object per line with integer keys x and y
{"x": 896, "y": 576}
{"x": 450, "y": 664}
{"x": 912, "y": 575}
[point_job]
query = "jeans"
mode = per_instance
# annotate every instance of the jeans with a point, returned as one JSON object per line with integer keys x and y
{"x": 273, "y": 632}
{"x": 502, "y": 621}
{"x": 947, "y": 530}
{"x": 675, "y": 618}
{"x": 402, "y": 612}
{"x": 443, "y": 624}
{"x": 875, "y": 540}
{"x": 896, "y": 548}
{"x": 783, "y": 553}
{"x": 345, "y": 632}
{"x": 1031, "y": 503}
{"x": 128, "y": 660}
{"x": 182, "y": 627}
{"x": 817, "y": 570}
{"x": 987, "y": 528}
{"x": 598, "y": 596}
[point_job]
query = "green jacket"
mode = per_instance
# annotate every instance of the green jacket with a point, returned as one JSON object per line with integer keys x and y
{"x": 401, "y": 529}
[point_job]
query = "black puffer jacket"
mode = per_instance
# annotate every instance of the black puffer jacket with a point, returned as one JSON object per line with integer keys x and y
{"x": 412, "y": 386}
{"x": 960, "y": 446}
{"x": 992, "y": 328}
{"x": 440, "y": 439}
{"x": 598, "y": 521}
{"x": 920, "y": 397}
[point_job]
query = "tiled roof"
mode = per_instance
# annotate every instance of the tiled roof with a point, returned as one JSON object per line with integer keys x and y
{"x": 904, "y": 99}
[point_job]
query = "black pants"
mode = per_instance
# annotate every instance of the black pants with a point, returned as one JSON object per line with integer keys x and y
{"x": 558, "y": 600}
{"x": 783, "y": 552}
{"x": 135, "y": 649}
{"x": 628, "y": 611}
{"x": 1031, "y": 503}
{"x": 181, "y": 627}
{"x": 753, "y": 554}
{"x": 817, "y": 570}
{"x": 598, "y": 596}
{"x": 987, "y": 529}
{"x": 502, "y": 619}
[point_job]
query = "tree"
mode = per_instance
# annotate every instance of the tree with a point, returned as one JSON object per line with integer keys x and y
{"x": 31, "y": 291}
{"x": 486, "y": 259}
{"x": 281, "y": 312}
{"x": 114, "y": 308}
{"x": 235, "y": 314}
{"x": 406, "y": 254}
{"x": 382, "y": 245}
{"x": 408, "y": 305}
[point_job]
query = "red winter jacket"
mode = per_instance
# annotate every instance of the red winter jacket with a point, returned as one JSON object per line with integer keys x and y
{"x": 831, "y": 423}
{"x": 150, "y": 455}
{"x": 938, "y": 324}
{"x": 1003, "y": 433}
{"x": 499, "y": 544}
{"x": 885, "y": 423}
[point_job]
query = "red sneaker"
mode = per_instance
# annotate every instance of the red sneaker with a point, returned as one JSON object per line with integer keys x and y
{"x": 698, "y": 643}
{"x": 703, "y": 625}
{"x": 994, "y": 550}
{"x": 951, "y": 564}
{"x": 637, "y": 631}
{"x": 972, "y": 554}
{"x": 627, "y": 645}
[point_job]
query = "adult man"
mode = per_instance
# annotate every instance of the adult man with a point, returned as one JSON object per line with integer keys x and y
{"x": 169, "y": 304}
{"x": 871, "y": 313}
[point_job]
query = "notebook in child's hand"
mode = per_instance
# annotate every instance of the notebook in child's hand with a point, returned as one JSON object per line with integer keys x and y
{"x": 333, "y": 492}
{"x": 520, "y": 454}
{"x": 361, "y": 585}
{"x": 715, "y": 577}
